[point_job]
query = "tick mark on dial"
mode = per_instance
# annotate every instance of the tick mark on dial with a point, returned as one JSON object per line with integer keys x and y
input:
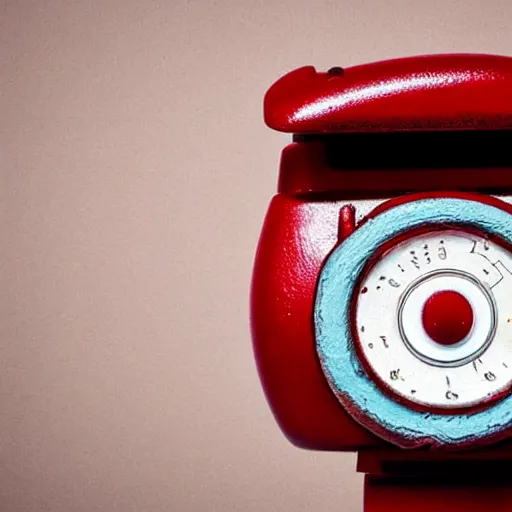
{"x": 364, "y": 290}
{"x": 400, "y": 267}
{"x": 427, "y": 253}
{"x": 382, "y": 278}
{"x": 505, "y": 365}
{"x": 413, "y": 391}
{"x": 362, "y": 328}
{"x": 448, "y": 381}
{"x": 474, "y": 366}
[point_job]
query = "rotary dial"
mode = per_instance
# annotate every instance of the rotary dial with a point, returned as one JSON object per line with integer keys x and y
{"x": 433, "y": 323}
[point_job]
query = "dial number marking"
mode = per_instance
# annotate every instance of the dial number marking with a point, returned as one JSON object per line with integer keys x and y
{"x": 459, "y": 375}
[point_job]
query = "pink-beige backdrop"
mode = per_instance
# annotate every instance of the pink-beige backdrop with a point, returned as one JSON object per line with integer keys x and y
{"x": 135, "y": 174}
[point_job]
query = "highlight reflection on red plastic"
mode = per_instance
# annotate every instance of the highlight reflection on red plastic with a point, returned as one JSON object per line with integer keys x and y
{"x": 430, "y": 92}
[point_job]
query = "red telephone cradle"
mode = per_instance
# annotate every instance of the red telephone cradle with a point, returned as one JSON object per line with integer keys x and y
{"x": 393, "y": 207}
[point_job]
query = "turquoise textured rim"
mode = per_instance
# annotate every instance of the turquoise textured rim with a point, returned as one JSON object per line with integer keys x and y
{"x": 360, "y": 395}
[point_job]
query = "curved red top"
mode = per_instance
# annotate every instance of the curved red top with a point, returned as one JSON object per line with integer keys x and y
{"x": 430, "y": 92}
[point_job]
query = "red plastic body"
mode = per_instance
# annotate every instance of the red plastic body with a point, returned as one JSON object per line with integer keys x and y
{"x": 313, "y": 209}
{"x": 465, "y": 95}
{"x": 297, "y": 236}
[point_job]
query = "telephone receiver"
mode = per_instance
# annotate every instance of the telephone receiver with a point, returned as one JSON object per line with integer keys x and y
{"x": 424, "y": 113}
{"x": 381, "y": 312}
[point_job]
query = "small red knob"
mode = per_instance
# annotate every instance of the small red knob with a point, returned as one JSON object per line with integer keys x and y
{"x": 447, "y": 317}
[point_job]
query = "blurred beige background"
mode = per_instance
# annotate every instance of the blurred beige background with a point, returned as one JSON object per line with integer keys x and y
{"x": 136, "y": 171}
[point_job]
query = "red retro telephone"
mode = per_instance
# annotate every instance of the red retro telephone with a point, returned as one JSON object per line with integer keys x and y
{"x": 381, "y": 304}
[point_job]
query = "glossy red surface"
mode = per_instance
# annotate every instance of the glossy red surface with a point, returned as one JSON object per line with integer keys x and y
{"x": 447, "y": 317}
{"x": 312, "y": 211}
{"x": 430, "y": 92}
{"x": 305, "y": 170}
{"x": 347, "y": 221}
{"x": 297, "y": 236}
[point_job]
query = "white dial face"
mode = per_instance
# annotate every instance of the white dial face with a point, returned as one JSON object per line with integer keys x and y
{"x": 434, "y": 319}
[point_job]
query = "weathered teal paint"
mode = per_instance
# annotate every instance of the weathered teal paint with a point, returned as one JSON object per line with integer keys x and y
{"x": 335, "y": 345}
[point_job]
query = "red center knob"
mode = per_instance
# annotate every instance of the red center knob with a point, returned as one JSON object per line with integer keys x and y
{"x": 447, "y": 317}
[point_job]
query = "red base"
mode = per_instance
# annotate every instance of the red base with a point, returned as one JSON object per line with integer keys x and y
{"x": 383, "y": 494}
{"x": 436, "y": 482}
